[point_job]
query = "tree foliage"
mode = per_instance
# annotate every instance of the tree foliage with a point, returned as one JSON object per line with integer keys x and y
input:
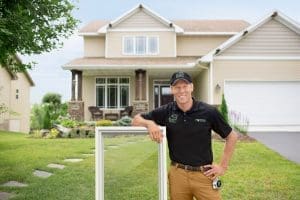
{"x": 45, "y": 115}
{"x": 33, "y": 27}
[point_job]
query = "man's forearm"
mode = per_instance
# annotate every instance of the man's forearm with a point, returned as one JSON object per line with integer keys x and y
{"x": 138, "y": 120}
{"x": 228, "y": 149}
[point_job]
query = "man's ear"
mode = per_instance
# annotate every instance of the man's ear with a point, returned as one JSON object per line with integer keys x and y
{"x": 192, "y": 87}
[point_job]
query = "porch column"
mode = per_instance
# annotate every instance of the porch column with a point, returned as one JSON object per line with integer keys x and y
{"x": 140, "y": 104}
{"x": 73, "y": 85}
{"x": 79, "y": 86}
{"x": 140, "y": 84}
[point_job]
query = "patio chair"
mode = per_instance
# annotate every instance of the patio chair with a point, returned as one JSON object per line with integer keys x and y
{"x": 127, "y": 111}
{"x": 96, "y": 112}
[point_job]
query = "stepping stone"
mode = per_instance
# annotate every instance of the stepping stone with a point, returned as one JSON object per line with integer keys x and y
{"x": 14, "y": 184}
{"x": 73, "y": 160}
{"x": 56, "y": 166}
{"x": 6, "y": 195}
{"x": 113, "y": 146}
{"x": 88, "y": 154}
{"x": 42, "y": 174}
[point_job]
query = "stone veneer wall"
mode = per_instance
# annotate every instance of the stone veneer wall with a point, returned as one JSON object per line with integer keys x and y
{"x": 76, "y": 110}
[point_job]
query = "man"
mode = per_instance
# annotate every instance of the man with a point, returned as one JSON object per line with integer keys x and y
{"x": 189, "y": 124}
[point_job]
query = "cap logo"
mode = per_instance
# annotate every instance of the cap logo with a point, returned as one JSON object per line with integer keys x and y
{"x": 180, "y": 75}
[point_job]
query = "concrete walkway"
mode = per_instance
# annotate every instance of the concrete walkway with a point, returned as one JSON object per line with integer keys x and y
{"x": 285, "y": 143}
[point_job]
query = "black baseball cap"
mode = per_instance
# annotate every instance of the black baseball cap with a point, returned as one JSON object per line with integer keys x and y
{"x": 180, "y": 76}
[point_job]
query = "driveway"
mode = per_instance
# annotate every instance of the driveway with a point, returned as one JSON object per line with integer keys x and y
{"x": 285, "y": 143}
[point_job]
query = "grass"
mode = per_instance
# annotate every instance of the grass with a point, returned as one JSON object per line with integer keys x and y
{"x": 131, "y": 169}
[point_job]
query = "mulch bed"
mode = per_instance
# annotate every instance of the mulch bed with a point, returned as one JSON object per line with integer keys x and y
{"x": 241, "y": 137}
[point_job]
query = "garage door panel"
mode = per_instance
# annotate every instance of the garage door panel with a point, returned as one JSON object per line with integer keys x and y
{"x": 265, "y": 102}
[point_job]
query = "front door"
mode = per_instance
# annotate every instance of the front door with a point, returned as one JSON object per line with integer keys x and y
{"x": 162, "y": 93}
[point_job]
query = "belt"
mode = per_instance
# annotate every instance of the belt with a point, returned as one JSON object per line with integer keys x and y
{"x": 188, "y": 167}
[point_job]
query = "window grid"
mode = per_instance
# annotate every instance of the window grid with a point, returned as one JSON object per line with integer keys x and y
{"x": 112, "y": 85}
{"x": 140, "y": 45}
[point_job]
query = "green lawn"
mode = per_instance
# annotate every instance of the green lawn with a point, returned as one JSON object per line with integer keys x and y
{"x": 131, "y": 169}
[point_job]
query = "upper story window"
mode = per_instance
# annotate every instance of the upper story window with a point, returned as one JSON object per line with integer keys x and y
{"x": 140, "y": 45}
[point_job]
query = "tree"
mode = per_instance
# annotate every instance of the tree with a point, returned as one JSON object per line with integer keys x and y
{"x": 32, "y": 27}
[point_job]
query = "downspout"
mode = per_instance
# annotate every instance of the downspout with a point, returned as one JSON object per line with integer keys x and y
{"x": 210, "y": 83}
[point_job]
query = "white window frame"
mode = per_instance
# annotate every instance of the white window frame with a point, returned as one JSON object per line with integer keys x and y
{"x": 134, "y": 45}
{"x": 162, "y": 155}
{"x": 106, "y": 84}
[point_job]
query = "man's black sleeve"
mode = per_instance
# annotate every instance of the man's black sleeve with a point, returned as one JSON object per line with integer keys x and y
{"x": 219, "y": 125}
{"x": 157, "y": 115}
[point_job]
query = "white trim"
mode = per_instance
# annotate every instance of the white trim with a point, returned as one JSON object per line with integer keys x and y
{"x": 134, "y": 10}
{"x": 162, "y": 155}
{"x": 175, "y": 46}
{"x": 211, "y": 88}
{"x": 208, "y": 33}
{"x": 257, "y": 58}
{"x": 134, "y": 45}
{"x": 118, "y": 84}
{"x": 106, "y": 46}
{"x": 141, "y": 30}
{"x": 127, "y": 67}
{"x": 89, "y": 34}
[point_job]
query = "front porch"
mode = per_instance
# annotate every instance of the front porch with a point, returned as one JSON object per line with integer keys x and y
{"x": 112, "y": 89}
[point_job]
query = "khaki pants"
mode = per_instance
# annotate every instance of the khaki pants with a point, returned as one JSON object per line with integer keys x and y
{"x": 185, "y": 185}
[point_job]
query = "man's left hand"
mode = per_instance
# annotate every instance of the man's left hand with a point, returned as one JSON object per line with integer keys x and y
{"x": 214, "y": 171}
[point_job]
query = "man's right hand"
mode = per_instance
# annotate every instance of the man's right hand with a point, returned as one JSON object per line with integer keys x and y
{"x": 154, "y": 132}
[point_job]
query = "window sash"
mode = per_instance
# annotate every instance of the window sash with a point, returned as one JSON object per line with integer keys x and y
{"x": 112, "y": 93}
{"x": 140, "y": 45}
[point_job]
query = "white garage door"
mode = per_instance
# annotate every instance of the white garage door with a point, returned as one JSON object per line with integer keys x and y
{"x": 269, "y": 105}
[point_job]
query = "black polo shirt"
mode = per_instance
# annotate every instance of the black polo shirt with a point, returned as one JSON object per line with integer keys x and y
{"x": 189, "y": 133}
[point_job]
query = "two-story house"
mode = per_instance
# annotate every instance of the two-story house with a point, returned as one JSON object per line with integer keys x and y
{"x": 129, "y": 60}
{"x": 15, "y": 96}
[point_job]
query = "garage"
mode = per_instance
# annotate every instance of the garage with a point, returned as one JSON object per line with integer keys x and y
{"x": 268, "y": 105}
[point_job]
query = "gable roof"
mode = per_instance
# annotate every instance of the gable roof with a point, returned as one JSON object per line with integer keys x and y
{"x": 14, "y": 75}
{"x": 276, "y": 15}
{"x": 189, "y": 27}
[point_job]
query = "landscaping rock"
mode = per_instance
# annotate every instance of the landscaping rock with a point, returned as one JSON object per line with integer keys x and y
{"x": 42, "y": 174}
{"x": 6, "y": 195}
{"x": 73, "y": 160}
{"x": 57, "y": 166}
{"x": 14, "y": 184}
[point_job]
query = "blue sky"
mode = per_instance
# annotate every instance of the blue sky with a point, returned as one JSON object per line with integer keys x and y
{"x": 50, "y": 77}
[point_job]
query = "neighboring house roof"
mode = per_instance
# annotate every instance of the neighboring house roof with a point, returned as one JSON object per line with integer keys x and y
{"x": 280, "y": 17}
{"x": 102, "y": 63}
{"x": 14, "y": 75}
{"x": 205, "y": 27}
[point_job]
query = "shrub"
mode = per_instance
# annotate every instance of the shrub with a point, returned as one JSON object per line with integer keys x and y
{"x": 54, "y": 133}
{"x": 224, "y": 109}
{"x": 104, "y": 122}
{"x": 124, "y": 121}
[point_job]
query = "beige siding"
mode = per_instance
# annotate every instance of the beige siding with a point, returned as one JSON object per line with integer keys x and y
{"x": 201, "y": 86}
{"x": 21, "y": 105}
{"x": 198, "y": 45}
{"x": 140, "y": 20}
{"x": 94, "y": 46}
{"x": 271, "y": 39}
{"x": 5, "y": 85}
{"x": 166, "y": 43}
{"x": 253, "y": 70}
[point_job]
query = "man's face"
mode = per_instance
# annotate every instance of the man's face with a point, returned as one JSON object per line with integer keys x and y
{"x": 182, "y": 91}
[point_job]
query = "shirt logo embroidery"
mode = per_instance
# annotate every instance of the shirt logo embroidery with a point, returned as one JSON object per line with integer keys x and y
{"x": 173, "y": 118}
{"x": 200, "y": 120}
